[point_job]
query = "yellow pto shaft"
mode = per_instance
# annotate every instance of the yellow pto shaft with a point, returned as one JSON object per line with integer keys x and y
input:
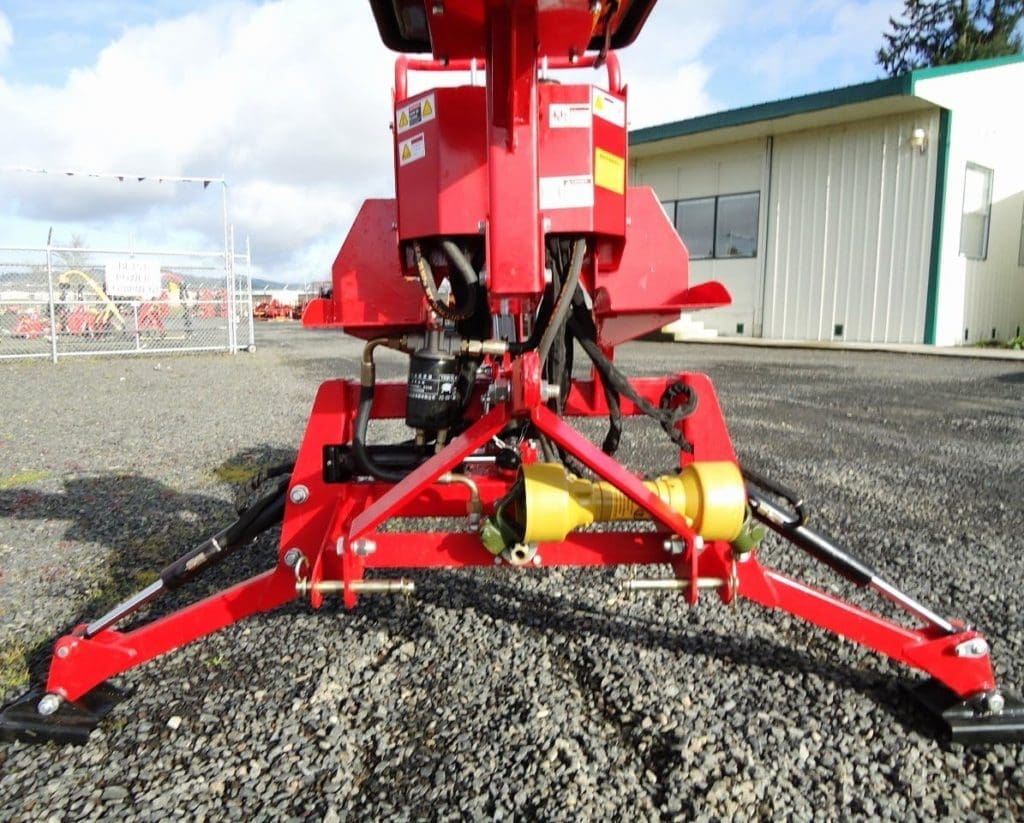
{"x": 711, "y": 496}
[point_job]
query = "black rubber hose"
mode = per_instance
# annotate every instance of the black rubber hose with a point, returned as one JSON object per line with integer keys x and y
{"x": 620, "y": 383}
{"x": 820, "y": 546}
{"x": 262, "y": 515}
{"x": 362, "y": 455}
{"x": 463, "y": 266}
{"x": 584, "y": 328}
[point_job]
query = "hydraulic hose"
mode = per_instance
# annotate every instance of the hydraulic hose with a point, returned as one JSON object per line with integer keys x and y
{"x": 564, "y": 302}
{"x": 462, "y": 265}
{"x": 368, "y": 380}
{"x": 266, "y": 513}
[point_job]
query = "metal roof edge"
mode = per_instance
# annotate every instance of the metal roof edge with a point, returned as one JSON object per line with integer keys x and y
{"x": 900, "y": 86}
{"x": 961, "y": 68}
{"x": 862, "y": 92}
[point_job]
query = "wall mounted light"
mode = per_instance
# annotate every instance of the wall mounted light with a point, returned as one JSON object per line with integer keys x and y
{"x": 919, "y": 140}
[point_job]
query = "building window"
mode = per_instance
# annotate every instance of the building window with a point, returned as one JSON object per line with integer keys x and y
{"x": 1020, "y": 249}
{"x": 736, "y": 226}
{"x": 719, "y": 227}
{"x": 977, "y": 212}
{"x": 695, "y": 222}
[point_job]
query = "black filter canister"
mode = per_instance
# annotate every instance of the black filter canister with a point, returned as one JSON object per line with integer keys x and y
{"x": 435, "y": 392}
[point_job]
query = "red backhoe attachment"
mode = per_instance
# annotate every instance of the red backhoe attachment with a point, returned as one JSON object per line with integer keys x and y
{"x": 514, "y": 243}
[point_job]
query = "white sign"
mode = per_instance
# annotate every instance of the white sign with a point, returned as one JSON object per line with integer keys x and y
{"x": 573, "y": 192}
{"x": 411, "y": 150}
{"x": 569, "y": 116}
{"x": 416, "y": 114}
{"x": 132, "y": 278}
{"x": 609, "y": 108}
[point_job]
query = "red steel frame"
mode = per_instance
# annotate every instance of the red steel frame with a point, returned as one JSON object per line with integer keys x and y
{"x": 334, "y": 519}
{"x": 349, "y": 511}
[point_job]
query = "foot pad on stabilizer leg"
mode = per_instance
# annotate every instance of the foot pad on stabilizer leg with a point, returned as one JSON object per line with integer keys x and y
{"x": 70, "y": 723}
{"x": 965, "y": 722}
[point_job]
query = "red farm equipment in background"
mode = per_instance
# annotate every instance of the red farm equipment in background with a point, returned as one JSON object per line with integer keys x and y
{"x": 513, "y": 241}
{"x": 272, "y": 309}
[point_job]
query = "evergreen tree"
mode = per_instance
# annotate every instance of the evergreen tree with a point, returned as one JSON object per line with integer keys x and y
{"x": 944, "y": 32}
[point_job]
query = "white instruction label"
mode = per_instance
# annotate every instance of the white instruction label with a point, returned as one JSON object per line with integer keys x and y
{"x": 414, "y": 114}
{"x": 411, "y": 150}
{"x": 575, "y": 192}
{"x": 569, "y": 115}
{"x": 609, "y": 108}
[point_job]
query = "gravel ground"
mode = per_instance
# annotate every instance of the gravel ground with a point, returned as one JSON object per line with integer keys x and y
{"x": 496, "y": 694}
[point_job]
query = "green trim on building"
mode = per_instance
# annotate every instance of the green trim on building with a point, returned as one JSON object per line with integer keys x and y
{"x": 938, "y": 215}
{"x": 900, "y": 86}
{"x": 960, "y": 68}
{"x": 861, "y": 93}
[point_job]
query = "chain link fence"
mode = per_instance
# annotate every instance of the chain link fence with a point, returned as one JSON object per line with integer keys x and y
{"x": 63, "y": 301}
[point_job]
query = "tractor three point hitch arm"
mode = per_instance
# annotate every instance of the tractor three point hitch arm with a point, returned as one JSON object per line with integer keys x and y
{"x": 513, "y": 244}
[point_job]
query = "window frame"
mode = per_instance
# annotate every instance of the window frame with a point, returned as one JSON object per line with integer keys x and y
{"x": 1020, "y": 248}
{"x": 713, "y": 199}
{"x": 716, "y": 211}
{"x": 977, "y": 167}
{"x": 757, "y": 224}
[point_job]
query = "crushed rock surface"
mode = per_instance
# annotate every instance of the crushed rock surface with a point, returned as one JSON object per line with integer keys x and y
{"x": 498, "y": 694}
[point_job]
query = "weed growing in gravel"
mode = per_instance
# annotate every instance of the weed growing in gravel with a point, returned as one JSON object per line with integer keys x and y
{"x": 22, "y": 479}
{"x": 13, "y": 665}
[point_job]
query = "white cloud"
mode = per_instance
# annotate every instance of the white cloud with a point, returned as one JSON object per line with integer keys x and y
{"x": 665, "y": 70}
{"x": 844, "y": 35}
{"x": 6, "y": 36}
{"x": 288, "y": 100}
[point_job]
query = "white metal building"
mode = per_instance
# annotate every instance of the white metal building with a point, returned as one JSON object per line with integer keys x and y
{"x": 890, "y": 211}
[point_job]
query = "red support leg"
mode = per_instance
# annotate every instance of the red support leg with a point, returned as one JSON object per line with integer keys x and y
{"x": 927, "y": 649}
{"x": 80, "y": 664}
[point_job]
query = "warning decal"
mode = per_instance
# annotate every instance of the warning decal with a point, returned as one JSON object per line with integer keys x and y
{"x": 414, "y": 114}
{"x": 609, "y": 108}
{"x": 574, "y": 192}
{"x": 609, "y": 171}
{"x": 413, "y": 149}
{"x": 569, "y": 115}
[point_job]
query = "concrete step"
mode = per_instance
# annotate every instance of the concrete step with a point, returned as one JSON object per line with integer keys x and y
{"x": 686, "y": 328}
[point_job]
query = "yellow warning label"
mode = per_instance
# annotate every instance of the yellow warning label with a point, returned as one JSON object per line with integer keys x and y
{"x": 403, "y": 121}
{"x": 598, "y": 103}
{"x": 406, "y": 152}
{"x": 427, "y": 109}
{"x": 609, "y": 171}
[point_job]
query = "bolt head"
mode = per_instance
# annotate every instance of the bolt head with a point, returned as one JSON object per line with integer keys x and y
{"x": 364, "y": 548}
{"x": 299, "y": 494}
{"x": 292, "y": 557}
{"x": 48, "y": 704}
{"x": 973, "y": 648}
{"x": 63, "y": 652}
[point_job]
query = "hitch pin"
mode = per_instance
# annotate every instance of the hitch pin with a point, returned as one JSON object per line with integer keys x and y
{"x": 376, "y": 586}
{"x": 672, "y": 584}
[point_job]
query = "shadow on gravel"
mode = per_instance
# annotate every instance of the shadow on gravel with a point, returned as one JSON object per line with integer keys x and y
{"x": 146, "y": 524}
{"x": 576, "y": 621}
{"x": 142, "y": 526}
{"x": 1013, "y": 378}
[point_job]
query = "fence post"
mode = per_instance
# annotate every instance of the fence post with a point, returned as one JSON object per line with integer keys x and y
{"x": 248, "y": 293}
{"x": 49, "y": 286}
{"x": 234, "y": 291}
